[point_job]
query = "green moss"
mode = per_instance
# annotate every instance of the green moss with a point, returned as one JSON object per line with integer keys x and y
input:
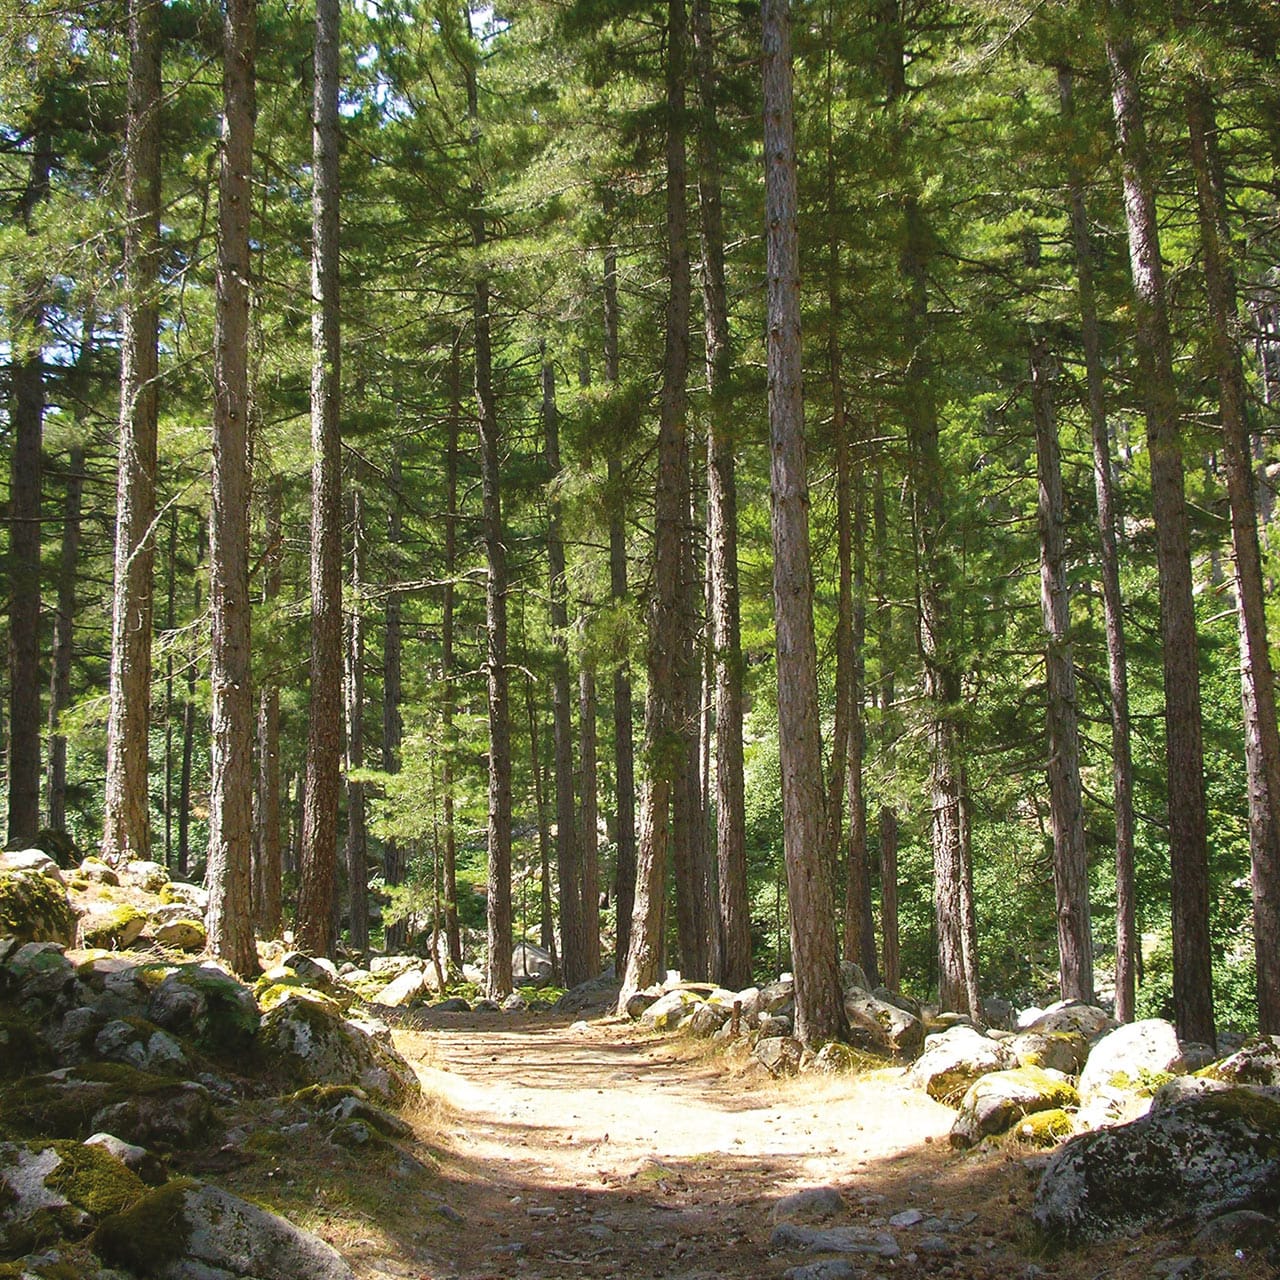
{"x": 102, "y": 930}
{"x": 1146, "y": 1084}
{"x": 64, "y": 1108}
{"x": 94, "y": 1180}
{"x": 268, "y": 1142}
{"x": 326, "y": 1095}
{"x": 22, "y": 1051}
{"x": 1043, "y": 1128}
{"x": 271, "y": 991}
{"x": 34, "y": 908}
{"x": 149, "y": 1233}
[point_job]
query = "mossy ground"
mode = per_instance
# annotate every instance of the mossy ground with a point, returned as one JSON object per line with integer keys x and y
{"x": 149, "y": 1233}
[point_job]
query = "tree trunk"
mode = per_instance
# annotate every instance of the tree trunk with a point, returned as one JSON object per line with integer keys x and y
{"x": 1262, "y": 739}
{"x": 623, "y": 748}
{"x": 1192, "y": 967}
{"x": 498, "y": 961}
{"x": 450, "y": 868}
{"x": 189, "y": 723}
{"x": 819, "y": 1002}
{"x": 589, "y": 818}
{"x": 267, "y": 839}
{"x": 573, "y": 942}
{"x": 126, "y": 800}
{"x": 317, "y": 888}
{"x": 357, "y": 832}
{"x": 888, "y": 817}
{"x": 546, "y": 931}
{"x": 1113, "y": 611}
{"x": 722, "y": 533}
{"x": 229, "y": 917}
{"x": 393, "y": 937}
{"x": 664, "y": 742}
{"x": 1066, "y": 803}
{"x": 63, "y": 633}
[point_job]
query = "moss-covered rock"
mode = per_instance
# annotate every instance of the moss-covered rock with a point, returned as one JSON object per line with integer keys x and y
{"x": 1196, "y": 1157}
{"x": 34, "y": 908}
{"x": 57, "y": 1191}
{"x": 183, "y": 934}
{"x": 38, "y": 976}
{"x": 135, "y": 1105}
{"x": 1137, "y": 1057}
{"x": 882, "y": 1026}
{"x": 954, "y": 1059}
{"x": 1257, "y": 1061}
{"x": 995, "y": 1102}
{"x": 113, "y": 927}
{"x": 1064, "y": 1051}
{"x": 22, "y": 1047}
{"x": 139, "y": 1043}
{"x": 307, "y": 1040}
{"x": 1044, "y": 1128}
{"x": 207, "y": 1005}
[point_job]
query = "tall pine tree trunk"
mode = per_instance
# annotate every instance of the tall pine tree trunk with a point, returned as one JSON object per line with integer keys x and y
{"x": 1113, "y": 611}
{"x": 229, "y": 917}
{"x": 317, "y": 888}
{"x": 888, "y": 817}
{"x": 589, "y": 817}
{"x": 819, "y": 1002}
{"x": 63, "y": 637}
{"x": 267, "y": 838}
{"x": 450, "y": 861}
{"x": 1262, "y": 737}
{"x": 722, "y": 533}
{"x": 357, "y": 831}
{"x": 1188, "y": 850}
{"x": 664, "y": 743}
{"x": 189, "y": 723}
{"x": 126, "y": 800}
{"x": 392, "y": 692}
{"x": 1066, "y": 802}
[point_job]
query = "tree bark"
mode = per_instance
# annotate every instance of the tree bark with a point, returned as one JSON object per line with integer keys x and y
{"x": 1066, "y": 803}
{"x": 589, "y": 817}
{"x": 63, "y": 637}
{"x": 663, "y": 731}
{"x": 189, "y": 723}
{"x": 1262, "y": 738}
{"x": 623, "y": 747}
{"x": 1192, "y": 966}
{"x": 722, "y": 532}
{"x": 357, "y": 831}
{"x": 229, "y": 917}
{"x": 267, "y": 838}
{"x": 546, "y": 930}
{"x": 888, "y": 817}
{"x": 1112, "y": 604}
{"x": 317, "y": 888}
{"x": 819, "y": 1001}
{"x": 126, "y": 799}
{"x": 450, "y": 867}
{"x": 392, "y": 693}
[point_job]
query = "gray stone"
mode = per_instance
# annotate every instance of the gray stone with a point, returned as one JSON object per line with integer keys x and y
{"x": 883, "y": 1026}
{"x": 907, "y": 1218}
{"x": 598, "y": 995}
{"x": 530, "y": 963}
{"x": 1064, "y": 1051}
{"x": 778, "y": 997}
{"x": 454, "y": 1004}
{"x": 205, "y": 1003}
{"x": 708, "y": 1018}
{"x": 998, "y": 1013}
{"x": 853, "y": 977}
{"x": 814, "y": 1204}
{"x": 150, "y": 876}
{"x": 1180, "y": 1268}
{"x": 670, "y": 1010}
{"x": 1070, "y": 1015}
{"x": 772, "y": 1025}
{"x": 35, "y": 861}
{"x": 1241, "y": 1229}
{"x": 954, "y": 1059}
{"x": 403, "y": 990}
{"x": 789, "y": 1235}
{"x": 141, "y": 1045}
{"x": 1133, "y": 1057}
{"x": 907, "y": 1004}
{"x": 316, "y": 971}
{"x": 486, "y": 1006}
{"x": 515, "y": 1003}
{"x": 995, "y": 1102}
{"x": 779, "y": 1055}
{"x": 1200, "y": 1157}
{"x": 147, "y": 1166}
{"x": 183, "y": 934}
{"x": 1257, "y": 1061}
{"x": 825, "y": 1269}
{"x": 749, "y": 999}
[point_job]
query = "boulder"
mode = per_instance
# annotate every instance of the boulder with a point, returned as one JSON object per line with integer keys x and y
{"x": 22, "y": 1047}
{"x": 906, "y": 1003}
{"x": 307, "y": 1039}
{"x": 773, "y": 1024}
{"x": 749, "y": 999}
{"x": 834, "y": 1240}
{"x": 147, "y": 1166}
{"x": 994, "y": 1103}
{"x": 1044, "y": 1128}
{"x": 639, "y": 1001}
{"x": 530, "y": 963}
{"x": 403, "y": 990}
{"x": 1257, "y": 1061}
{"x": 39, "y": 976}
{"x": 597, "y": 995}
{"x": 316, "y": 971}
{"x": 998, "y": 1013}
{"x": 835, "y": 1058}
{"x": 707, "y": 1018}
{"x": 141, "y": 1044}
{"x": 112, "y": 927}
{"x": 56, "y": 1191}
{"x": 34, "y": 861}
{"x": 886, "y": 1027}
{"x": 34, "y": 906}
{"x": 390, "y": 967}
{"x": 1200, "y": 1157}
{"x": 813, "y": 1204}
{"x": 454, "y": 1004}
{"x": 671, "y": 1010}
{"x": 1136, "y": 1057}
{"x": 954, "y": 1059}
{"x": 177, "y": 929}
{"x": 194, "y": 897}
{"x": 206, "y": 1004}
{"x": 853, "y": 977}
{"x": 1063, "y": 1051}
{"x": 188, "y": 1230}
{"x": 779, "y": 1055}
{"x": 778, "y": 997}
{"x": 148, "y": 876}
{"x": 1069, "y": 1015}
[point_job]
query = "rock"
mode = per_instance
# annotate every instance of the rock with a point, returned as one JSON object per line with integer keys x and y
{"x": 1107, "y": 1107}
{"x": 22, "y": 1047}
{"x": 1198, "y": 1157}
{"x": 316, "y": 971}
{"x": 306, "y": 1038}
{"x": 1044, "y": 1128}
{"x": 598, "y": 995}
{"x": 707, "y": 1018}
{"x": 1179, "y": 1268}
{"x": 834, "y": 1240}
{"x": 454, "y": 1004}
{"x": 825, "y": 1269}
{"x": 390, "y": 967}
{"x": 55, "y": 1191}
{"x": 906, "y": 1003}
{"x": 206, "y": 1004}
{"x": 907, "y": 1218}
{"x": 779, "y": 1055}
{"x": 34, "y": 907}
{"x": 486, "y": 1005}
{"x": 141, "y": 1044}
{"x": 814, "y": 1204}
{"x": 34, "y": 861}
{"x": 530, "y": 963}
{"x": 778, "y": 997}
{"x": 148, "y": 876}
{"x": 749, "y": 999}
{"x": 1070, "y": 1015}
{"x": 1257, "y": 1061}
{"x": 853, "y": 977}
{"x": 1241, "y": 1229}
{"x": 670, "y": 1010}
{"x": 147, "y": 1166}
{"x": 515, "y": 1003}
{"x": 39, "y": 975}
{"x": 411, "y": 985}
{"x": 953, "y": 1060}
{"x": 998, "y": 1013}
{"x": 885, "y": 1025}
{"x": 192, "y": 896}
{"x": 95, "y": 871}
{"x": 996, "y": 1102}
{"x": 1137, "y": 1057}
{"x": 113, "y": 927}
{"x": 1064, "y": 1051}
{"x": 182, "y": 934}
{"x": 772, "y": 1025}
{"x": 835, "y": 1059}
{"x": 639, "y": 1001}
{"x": 191, "y": 1231}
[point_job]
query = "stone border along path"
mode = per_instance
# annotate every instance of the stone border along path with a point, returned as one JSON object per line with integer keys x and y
{"x": 595, "y": 1149}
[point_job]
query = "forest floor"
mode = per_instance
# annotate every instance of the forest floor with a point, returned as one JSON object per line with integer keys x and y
{"x": 550, "y": 1149}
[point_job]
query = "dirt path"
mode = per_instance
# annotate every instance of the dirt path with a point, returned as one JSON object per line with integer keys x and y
{"x": 596, "y": 1150}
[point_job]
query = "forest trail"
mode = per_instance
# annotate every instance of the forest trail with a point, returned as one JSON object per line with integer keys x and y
{"x": 596, "y": 1149}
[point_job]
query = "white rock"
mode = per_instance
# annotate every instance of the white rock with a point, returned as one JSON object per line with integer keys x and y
{"x": 1132, "y": 1057}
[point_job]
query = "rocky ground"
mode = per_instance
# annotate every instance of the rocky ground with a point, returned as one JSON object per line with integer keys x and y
{"x": 159, "y": 1119}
